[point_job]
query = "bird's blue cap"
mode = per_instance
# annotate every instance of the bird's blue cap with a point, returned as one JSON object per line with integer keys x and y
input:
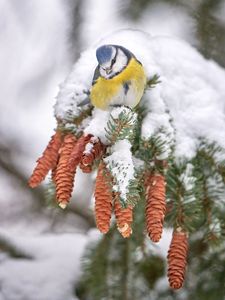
{"x": 104, "y": 54}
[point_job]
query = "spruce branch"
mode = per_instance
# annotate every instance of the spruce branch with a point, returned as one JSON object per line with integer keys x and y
{"x": 133, "y": 195}
{"x": 182, "y": 190}
{"x": 95, "y": 266}
{"x": 153, "y": 81}
{"x": 157, "y": 150}
{"x": 213, "y": 155}
{"x": 213, "y": 195}
{"x": 126, "y": 270}
{"x": 7, "y": 245}
{"x": 73, "y": 124}
{"x": 125, "y": 182}
{"x": 50, "y": 193}
{"x": 76, "y": 109}
{"x": 7, "y": 152}
{"x": 121, "y": 125}
{"x": 208, "y": 160}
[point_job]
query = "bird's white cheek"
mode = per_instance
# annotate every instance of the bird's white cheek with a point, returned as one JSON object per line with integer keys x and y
{"x": 104, "y": 74}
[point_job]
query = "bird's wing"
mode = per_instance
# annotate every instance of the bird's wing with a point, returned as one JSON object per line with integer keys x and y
{"x": 126, "y": 86}
{"x": 84, "y": 102}
{"x": 96, "y": 75}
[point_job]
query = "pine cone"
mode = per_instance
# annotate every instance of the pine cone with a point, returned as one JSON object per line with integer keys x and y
{"x": 47, "y": 161}
{"x": 95, "y": 153}
{"x": 64, "y": 177}
{"x": 53, "y": 173}
{"x": 124, "y": 218}
{"x": 85, "y": 169}
{"x": 155, "y": 205}
{"x": 77, "y": 152}
{"x": 177, "y": 259}
{"x": 103, "y": 198}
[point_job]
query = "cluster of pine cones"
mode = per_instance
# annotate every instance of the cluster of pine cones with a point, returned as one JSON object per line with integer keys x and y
{"x": 65, "y": 153}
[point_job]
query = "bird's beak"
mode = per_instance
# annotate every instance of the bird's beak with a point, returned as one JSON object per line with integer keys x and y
{"x": 108, "y": 71}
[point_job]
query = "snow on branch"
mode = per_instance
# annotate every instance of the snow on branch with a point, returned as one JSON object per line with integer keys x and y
{"x": 121, "y": 166}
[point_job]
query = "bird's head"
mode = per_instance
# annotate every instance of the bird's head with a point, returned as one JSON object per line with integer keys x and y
{"x": 112, "y": 60}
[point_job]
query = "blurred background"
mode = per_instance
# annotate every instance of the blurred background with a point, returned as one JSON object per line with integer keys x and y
{"x": 40, "y": 245}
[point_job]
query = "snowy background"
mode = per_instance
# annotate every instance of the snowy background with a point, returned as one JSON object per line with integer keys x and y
{"x": 41, "y": 246}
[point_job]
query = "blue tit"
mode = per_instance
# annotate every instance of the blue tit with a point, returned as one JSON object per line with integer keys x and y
{"x": 119, "y": 78}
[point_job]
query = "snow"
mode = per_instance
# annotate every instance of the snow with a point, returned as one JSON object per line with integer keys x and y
{"x": 103, "y": 11}
{"x": 97, "y": 125}
{"x": 157, "y": 19}
{"x": 181, "y": 27}
{"x": 157, "y": 118}
{"x": 187, "y": 178}
{"x": 188, "y": 91}
{"x": 123, "y": 110}
{"x": 90, "y": 145}
{"x": 50, "y": 273}
{"x": 34, "y": 58}
{"x": 121, "y": 166}
{"x": 157, "y": 123}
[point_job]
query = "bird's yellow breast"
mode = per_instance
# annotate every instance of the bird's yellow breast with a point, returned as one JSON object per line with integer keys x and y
{"x": 105, "y": 90}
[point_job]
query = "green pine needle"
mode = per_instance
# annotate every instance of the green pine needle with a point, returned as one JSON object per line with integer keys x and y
{"x": 122, "y": 127}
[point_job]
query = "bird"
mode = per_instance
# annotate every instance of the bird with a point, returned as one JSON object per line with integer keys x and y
{"x": 119, "y": 79}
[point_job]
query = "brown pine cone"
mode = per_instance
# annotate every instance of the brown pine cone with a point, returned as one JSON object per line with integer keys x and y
{"x": 47, "y": 161}
{"x": 95, "y": 153}
{"x": 155, "y": 205}
{"x": 64, "y": 177}
{"x": 85, "y": 169}
{"x": 177, "y": 259}
{"x": 103, "y": 198}
{"x": 53, "y": 173}
{"x": 124, "y": 218}
{"x": 77, "y": 151}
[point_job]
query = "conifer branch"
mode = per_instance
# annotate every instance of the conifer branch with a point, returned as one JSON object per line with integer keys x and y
{"x": 209, "y": 158}
{"x": 159, "y": 148}
{"x": 121, "y": 166}
{"x": 121, "y": 125}
{"x": 153, "y": 81}
{"x": 183, "y": 190}
{"x": 8, "y": 246}
{"x": 125, "y": 274}
{"x": 97, "y": 257}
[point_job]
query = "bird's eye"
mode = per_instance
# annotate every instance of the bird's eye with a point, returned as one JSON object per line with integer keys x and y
{"x": 113, "y": 61}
